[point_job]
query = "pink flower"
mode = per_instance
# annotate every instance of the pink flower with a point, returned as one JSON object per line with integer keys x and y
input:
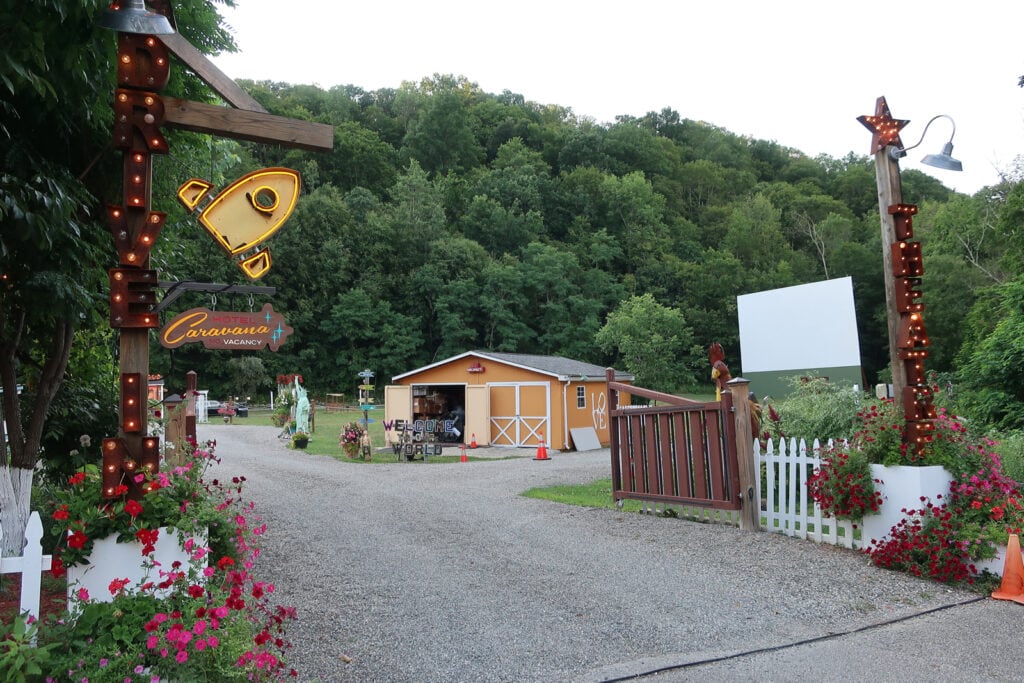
{"x": 83, "y": 594}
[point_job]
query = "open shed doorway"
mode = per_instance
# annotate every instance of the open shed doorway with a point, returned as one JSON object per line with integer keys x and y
{"x": 441, "y": 402}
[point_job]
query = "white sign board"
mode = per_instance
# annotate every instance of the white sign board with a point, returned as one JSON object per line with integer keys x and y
{"x": 793, "y": 328}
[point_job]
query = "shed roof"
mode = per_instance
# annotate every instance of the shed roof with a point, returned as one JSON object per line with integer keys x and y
{"x": 564, "y": 369}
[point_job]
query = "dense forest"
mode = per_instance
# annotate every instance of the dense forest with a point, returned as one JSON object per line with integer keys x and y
{"x": 447, "y": 219}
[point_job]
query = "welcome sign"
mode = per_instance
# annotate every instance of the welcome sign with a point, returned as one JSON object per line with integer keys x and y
{"x": 226, "y": 329}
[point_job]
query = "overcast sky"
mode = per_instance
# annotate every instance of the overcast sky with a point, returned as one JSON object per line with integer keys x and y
{"x": 792, "y": 71}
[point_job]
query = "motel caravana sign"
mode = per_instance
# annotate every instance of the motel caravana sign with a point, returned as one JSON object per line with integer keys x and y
{"x": 250, "y": 331}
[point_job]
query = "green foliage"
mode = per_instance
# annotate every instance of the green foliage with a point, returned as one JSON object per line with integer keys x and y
{"x": 815, "y": 409}
{"x": 652, "y": 341}
{"x": 22, "y": 660}
{"x": 462, "y": 219}
{"x": 992, "y": 378}
{"x": 1010, "y": 448}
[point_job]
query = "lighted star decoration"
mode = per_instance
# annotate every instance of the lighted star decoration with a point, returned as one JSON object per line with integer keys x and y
{"x": 886, "y": 129}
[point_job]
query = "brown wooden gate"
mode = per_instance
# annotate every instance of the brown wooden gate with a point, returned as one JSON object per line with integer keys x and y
{"x": 681, "y": 453}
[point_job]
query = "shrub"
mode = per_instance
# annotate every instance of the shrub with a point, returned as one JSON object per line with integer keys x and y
{"x": 816, "y": 409}
{"x": 843, "y": 486}
{"x": 210, "y": 620}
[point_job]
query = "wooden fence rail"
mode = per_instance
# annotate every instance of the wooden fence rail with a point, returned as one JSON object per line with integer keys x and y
{"x": 682, "y": 453}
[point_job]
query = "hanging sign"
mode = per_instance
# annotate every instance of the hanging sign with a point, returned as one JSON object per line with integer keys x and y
{"x": 226, "y": 329}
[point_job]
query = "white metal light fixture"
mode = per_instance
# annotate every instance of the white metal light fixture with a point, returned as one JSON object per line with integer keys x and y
{"x": 943, "y": 159}
{"x": 132, "y": 16}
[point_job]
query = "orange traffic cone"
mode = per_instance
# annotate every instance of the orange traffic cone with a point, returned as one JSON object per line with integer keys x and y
{"x": 1012, "y": 587}
{"x": 463, "y": 457}
{"x": 472, "y": 443}
{"x": 542, "y": 451}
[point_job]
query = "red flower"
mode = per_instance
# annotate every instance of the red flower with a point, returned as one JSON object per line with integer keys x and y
{"x": 225, "y": 562}
{"x": 61, "y": 513}
{"x": 133, "y": 508}
{"x": 57, "y": 567}
{"x": 77, "y": 539}
{"x": 117, "y": 585}
{"x": 77, "y": 478}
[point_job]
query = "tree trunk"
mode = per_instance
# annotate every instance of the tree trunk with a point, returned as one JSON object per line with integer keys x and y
{"x": 16, "y": 470}
{"x": 15, "y": 496}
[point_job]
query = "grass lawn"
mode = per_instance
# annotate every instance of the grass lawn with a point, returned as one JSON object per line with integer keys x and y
{"x": 324, "y": 439}
{"x": 595, "y": 494}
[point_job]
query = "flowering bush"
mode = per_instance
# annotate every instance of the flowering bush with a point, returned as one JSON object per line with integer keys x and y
{"x": 177, "y": 499}
{"x": 945, "y": 537}
{"x": 350, "y": 439}
{"x": 843, "y": 486}
{"x": 943, "y": 540}
{"x": 208, "y": 620}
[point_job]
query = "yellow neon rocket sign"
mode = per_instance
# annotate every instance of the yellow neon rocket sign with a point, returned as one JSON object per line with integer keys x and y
{"x": 246, "y": 213}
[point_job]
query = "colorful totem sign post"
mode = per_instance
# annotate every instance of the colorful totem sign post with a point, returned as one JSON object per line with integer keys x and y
{"x": 140, "y": 114}
{"x": 366, "y": 395}
{"x": 903, "y": 269}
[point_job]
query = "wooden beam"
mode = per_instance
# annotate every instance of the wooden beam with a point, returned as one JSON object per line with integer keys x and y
{"x": 253, "y": 126}
{"x": 232, "y": 93}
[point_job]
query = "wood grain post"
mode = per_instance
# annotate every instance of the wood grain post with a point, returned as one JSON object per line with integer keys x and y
{"x": 750, "y": 513}
{"x": 890, "y": 191}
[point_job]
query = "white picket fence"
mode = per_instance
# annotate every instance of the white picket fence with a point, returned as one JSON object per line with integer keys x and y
{"x": 30, "y": 565}
{"x": 786, "y": 508}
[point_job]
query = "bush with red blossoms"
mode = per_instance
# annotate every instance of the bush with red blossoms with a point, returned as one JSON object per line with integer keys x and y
{"x": 211, "y": 619}
{"x": 843, "y": 486}
{"x": 944, "y": 538}
{"x": 943, "y": 541}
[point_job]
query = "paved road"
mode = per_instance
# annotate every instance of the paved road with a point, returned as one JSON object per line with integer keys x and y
{"x": 443, "y": 572}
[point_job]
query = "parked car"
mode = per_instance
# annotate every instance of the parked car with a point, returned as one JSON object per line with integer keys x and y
{"x": 213, "y": 409}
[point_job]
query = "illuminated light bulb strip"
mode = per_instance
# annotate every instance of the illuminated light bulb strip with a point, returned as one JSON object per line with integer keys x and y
{"x": 134, "y": 252}
{"x": 120, "y": 466}
{"x": 911, "y": 336}
{"x": 132, "y": 298}
{"x": 132, "y": 404}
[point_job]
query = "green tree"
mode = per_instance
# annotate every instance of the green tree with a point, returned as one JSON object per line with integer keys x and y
{"x": 248, "y": 376}
{"x": 653, "y": 341}
{"x": 57, "y": 75}
{"x": 442, "y": 138}
{"x": 992, "y": 378}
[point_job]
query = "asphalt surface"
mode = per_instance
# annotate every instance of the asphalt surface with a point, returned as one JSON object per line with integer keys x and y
{"x": 444, "y": 572}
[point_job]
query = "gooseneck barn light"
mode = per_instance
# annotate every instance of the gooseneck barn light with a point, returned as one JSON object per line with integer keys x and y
{"x": 132, "y": 16}
{"x": 943, "y": 159}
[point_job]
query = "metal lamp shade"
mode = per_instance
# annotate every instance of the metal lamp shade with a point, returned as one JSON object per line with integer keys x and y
{"x": 944, "y": 160}
{"x": 131, "y": 16}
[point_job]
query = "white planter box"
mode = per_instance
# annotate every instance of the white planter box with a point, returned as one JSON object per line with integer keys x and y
{"x": 995, "y": 564}
{"x": 111, "y": 560}
{"x": 902, "y": 488}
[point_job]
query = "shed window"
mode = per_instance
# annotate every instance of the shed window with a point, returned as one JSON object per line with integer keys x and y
{"x": 581, "y": 397}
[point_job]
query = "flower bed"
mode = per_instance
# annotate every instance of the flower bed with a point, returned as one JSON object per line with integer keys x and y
{"x": 202, "y": 616}
{"x": 944, "y": 532}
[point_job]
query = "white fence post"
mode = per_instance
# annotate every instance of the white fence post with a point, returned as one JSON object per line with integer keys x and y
{"x": 787, "y": 507}
{"x": 30, "y": 565}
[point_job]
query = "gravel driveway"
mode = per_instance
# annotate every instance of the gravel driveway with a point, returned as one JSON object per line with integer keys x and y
{"x": 443, "y": 572}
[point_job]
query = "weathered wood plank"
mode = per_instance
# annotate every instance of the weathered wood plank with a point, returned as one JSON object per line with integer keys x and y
{"x": 253, "y": 126}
